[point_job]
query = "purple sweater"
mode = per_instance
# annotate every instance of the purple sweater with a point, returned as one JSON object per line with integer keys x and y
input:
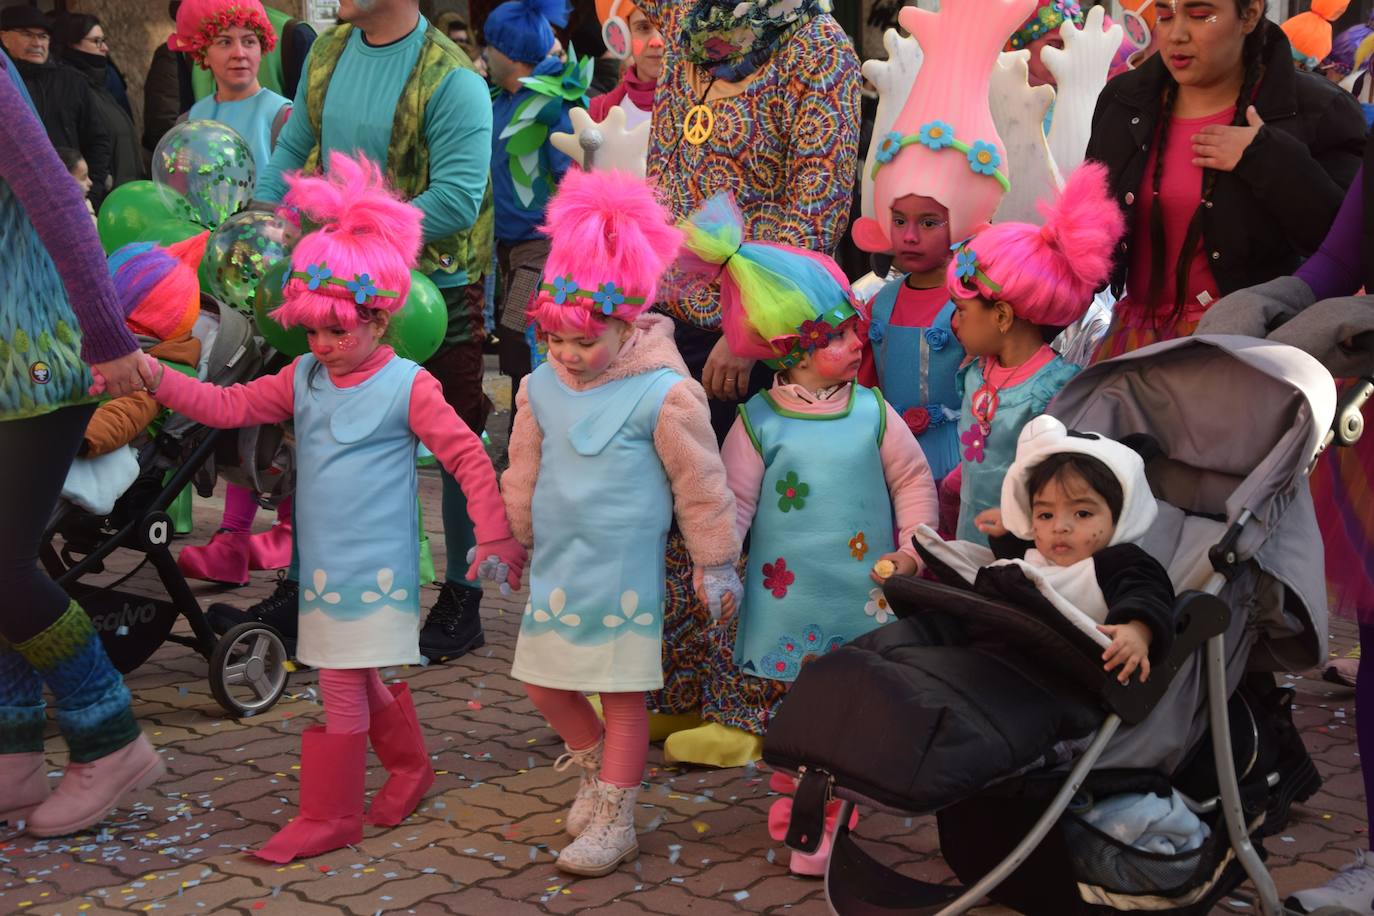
{"x": 1335, "y": 269}
{"x": 55, "y": 208}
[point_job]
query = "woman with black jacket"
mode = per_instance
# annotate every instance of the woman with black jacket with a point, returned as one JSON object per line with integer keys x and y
{"x": 1229, "y": 163}
{"x": 79, "y": 42}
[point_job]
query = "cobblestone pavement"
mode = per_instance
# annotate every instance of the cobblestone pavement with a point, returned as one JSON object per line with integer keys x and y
{"x": 484, "y": 839}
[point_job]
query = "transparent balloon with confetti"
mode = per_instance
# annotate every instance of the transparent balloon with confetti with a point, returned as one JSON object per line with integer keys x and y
{"x": 208, "y": 164}
{"x": 241, "y": 252}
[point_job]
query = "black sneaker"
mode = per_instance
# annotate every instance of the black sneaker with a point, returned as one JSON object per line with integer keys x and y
{"x": 278, "y": 610}
{"x": 454, "y": 626}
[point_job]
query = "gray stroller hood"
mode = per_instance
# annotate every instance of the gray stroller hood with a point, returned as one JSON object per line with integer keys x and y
{"x": 1240, "y": 422}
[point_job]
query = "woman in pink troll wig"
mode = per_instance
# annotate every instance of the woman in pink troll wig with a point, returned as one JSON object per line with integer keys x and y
{"x": 360, "y": 413}
{"x": 1015, "y": 285}
{"x": 612, "y": 439}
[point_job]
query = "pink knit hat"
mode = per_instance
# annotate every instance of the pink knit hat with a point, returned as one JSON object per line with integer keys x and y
{"x": 199, "y": 21}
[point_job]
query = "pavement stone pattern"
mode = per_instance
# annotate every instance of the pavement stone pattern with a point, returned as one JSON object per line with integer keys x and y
{"x": 484, "y": 840}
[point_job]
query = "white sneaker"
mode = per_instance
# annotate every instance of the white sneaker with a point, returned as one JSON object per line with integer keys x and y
{"x": 589, "y": 759}
{"x": 609, "y": 839}
{"x": 1351, "y": 888}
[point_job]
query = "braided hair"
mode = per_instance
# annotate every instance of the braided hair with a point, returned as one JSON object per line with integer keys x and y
{"x": 1253, "y": 54}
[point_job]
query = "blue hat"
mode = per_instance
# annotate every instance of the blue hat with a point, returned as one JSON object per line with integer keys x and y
{"x": 521, "y": 30}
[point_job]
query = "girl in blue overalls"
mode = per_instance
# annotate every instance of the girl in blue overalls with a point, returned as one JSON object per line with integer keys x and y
{"x": 360, "y": 414}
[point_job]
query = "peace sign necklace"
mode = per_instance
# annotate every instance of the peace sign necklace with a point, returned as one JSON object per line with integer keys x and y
{"x": 699, "y": 120}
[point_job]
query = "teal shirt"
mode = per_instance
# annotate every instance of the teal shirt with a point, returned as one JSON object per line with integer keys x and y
{"x": 251, "y": 117}
{"x": 359, "y": 109}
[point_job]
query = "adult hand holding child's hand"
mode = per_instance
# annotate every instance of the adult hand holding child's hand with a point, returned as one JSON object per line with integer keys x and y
{"x": 117, "y": 377}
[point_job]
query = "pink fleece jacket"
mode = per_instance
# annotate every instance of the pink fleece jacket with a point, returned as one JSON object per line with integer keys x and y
{"x": 271, "y": 399}
{"x": 683, "y": 439}
{"x": 909, "y": 480}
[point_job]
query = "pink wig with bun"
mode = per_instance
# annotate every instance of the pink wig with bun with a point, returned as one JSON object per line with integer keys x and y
{"x": 610, "y": 242}
{"x": 1047, "y": 273}
{"x": 367, "y": 242}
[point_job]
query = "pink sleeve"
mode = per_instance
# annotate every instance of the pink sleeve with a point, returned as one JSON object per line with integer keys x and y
{"x": 517, "y": 484}
{"x": 744, "y": 473}
{"x": 686, "y": 445}
{"x": 270, "y": 399}
{"x": 914, "y": 499}
{"x": 462, "y": 455}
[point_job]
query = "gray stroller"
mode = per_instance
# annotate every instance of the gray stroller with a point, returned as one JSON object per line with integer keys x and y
{"x": 998, "y": 731}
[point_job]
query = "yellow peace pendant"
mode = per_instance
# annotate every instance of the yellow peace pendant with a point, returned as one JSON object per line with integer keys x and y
{"x": 697, "y": 126}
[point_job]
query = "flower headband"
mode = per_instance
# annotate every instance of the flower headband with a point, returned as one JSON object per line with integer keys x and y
{"x": 815, "y": 334}
{"x": 966, "y": 268}
{"x": 1047, "y": 18}
{"x": 605, "y": 299}
{"x": 983, "y": 157}
{"x": 361, "y": 286}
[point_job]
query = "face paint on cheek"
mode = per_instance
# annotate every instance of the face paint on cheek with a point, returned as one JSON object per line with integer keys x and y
{"x": 837, "y": 361}
{"x": 347, "y": 343}
{"x": 637, "y": 46}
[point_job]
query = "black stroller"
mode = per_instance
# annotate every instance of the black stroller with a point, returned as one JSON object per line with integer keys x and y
{"x": 997, "y": 731}
{"x": 249, "y": 664}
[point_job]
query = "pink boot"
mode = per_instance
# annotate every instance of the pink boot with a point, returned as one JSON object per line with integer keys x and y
{"x": 224, "y": 559}
{"x": 333, "y": 768}
{"x": 272, "y": 548}
{"x": 399, "y": 743}
{"x": 89, "y": 791}
{"x": 805, "y": 864}
{"x": 23, "y": 785}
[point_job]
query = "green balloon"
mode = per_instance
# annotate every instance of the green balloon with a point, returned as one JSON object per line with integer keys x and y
{"x": 171, "y": 231}
{"x": 418, "y": 329}
{"x": 290, "y": 341}
{"x": 133, "y": 209}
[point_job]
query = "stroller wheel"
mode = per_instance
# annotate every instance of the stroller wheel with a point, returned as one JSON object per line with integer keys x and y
{"x": 248, "y": 669}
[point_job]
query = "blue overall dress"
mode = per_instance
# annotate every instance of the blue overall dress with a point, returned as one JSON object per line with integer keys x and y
{"x": 823, "y": 494}
{"x": 359, "y": 544}
{"x": 919, "y": 367}
{"x": 602, "y": 507}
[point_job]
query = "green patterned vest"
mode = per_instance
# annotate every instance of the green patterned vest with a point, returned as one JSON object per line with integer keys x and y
{"x": 407, "y": 158}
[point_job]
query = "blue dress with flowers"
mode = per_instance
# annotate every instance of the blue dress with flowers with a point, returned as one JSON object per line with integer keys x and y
{"x": 918, "y": 373}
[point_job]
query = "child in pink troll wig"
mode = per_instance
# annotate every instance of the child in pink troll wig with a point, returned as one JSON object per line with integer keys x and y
{"x": 1015, "y": 285}
{"x": 612, "y": 439}
{"x": 360, "y": 413}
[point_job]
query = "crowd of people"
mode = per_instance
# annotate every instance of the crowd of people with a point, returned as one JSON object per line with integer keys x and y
{"x": 683, "y": 334}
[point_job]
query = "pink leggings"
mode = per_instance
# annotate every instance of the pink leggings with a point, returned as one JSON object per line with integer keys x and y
{"x": 241, "y": 507}
{"x": 626, "y": 731}
{"x": 351, "y": 696}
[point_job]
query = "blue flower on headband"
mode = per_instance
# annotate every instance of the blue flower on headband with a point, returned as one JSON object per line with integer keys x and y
{"x": 318, "y": 275}
{"x": 983, "y": 158}
{"x": 890, "y": 146}
{"x": 936, "y": 135}
{"x": 608, "y": 297}
{"x": 966, "y": 264}
{"x": 563, "y": 287}
{"x": 362, "y": 288}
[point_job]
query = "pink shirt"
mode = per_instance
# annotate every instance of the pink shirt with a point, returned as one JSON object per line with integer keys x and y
{"x": 914, "y": 308}
{"x": 271, "y": 399}
{"x": 909, "y": 481}
{"x": 1180, "y": 194}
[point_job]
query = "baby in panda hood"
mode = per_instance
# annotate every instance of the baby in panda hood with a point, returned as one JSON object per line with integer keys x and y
{"x": 1073, "y": 506}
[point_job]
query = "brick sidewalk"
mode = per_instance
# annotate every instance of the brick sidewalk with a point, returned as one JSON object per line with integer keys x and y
{"x": 484, "y": 840}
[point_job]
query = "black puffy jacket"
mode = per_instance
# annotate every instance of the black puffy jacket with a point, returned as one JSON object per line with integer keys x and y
{"x": 67, "y": 108}
{"x": 1275, "y": 207}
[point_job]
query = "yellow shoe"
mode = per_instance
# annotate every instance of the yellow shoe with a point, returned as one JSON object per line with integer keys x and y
{"x": 661, "y": 724}
{"x": 713, "y": 745}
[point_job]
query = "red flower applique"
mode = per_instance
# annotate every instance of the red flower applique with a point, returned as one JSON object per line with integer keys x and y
{"x": 917, "y": 419}
{"x": 815, "y": 334}
{"x": 777, "y": 577}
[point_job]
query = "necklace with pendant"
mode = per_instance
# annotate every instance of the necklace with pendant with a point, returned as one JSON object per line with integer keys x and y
{"x": 699, "y": 121}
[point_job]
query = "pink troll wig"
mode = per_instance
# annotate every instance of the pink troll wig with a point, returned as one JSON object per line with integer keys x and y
{"x": 365, "y": 246}
{"x": 610, "y": 242}
{"x": 1047, "y": 273}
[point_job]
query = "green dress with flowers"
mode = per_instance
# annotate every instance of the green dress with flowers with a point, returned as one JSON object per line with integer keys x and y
{"x": 823, "y": 492}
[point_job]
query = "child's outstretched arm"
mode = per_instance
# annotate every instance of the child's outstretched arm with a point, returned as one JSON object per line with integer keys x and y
{"x": 270, "y": 399}
{"x": 912, "y": 486}
{"x": 462, "y": 454}
{"x": 1140, "y": 602}
{"x": 517, "y": 483}
{"x": 705, "y": 508}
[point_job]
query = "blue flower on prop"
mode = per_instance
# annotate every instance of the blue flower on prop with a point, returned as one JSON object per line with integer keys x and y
{"x": 362, "y": 288}
{"x": 563, "y": 287}
{"x": 1069, "y": 9}
{"x": 966, "y": 264}
{"x": 877, "y": 330}
{"x": 937, "y": 338}
{"x": 936, "y": 135}
{"x": 318, "y": 275}
{"x": 983, "y": 158}
{"x": 608, "y": 297}
{"x": 890, "y": 146}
